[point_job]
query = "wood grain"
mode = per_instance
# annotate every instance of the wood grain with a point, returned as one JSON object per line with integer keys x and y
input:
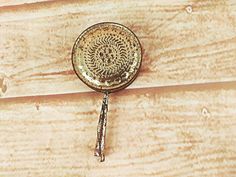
{"x": 169, "y": 131}
{"x": 177, "y": 119}
{"x": 184, "y": 42}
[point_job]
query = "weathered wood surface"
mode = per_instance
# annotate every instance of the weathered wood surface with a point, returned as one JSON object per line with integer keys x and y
{"x": 181, "y": 131}
{"x": 183, "y": 125}
{"x": 184, "y": 42}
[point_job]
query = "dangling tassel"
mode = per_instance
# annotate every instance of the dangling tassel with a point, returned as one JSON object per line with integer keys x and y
{"x": 101, "y": 129}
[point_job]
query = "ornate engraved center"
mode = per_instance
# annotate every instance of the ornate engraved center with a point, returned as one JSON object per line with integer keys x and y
{"x": 107, "y": 56}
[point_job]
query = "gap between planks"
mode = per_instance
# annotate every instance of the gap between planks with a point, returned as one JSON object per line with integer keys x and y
{"x": 173, "y": 88}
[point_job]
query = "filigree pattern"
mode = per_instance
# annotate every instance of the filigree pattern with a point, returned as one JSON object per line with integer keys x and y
{"x": 107, "y": 56}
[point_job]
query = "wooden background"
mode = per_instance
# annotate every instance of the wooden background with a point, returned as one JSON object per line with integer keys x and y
{"x": 177, "y": 119}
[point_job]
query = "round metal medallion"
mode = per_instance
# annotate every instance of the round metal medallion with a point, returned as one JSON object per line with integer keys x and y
{"x": 107, "y": 56}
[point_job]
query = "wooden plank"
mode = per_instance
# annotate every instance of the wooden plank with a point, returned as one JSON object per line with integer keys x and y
{"x": 184, "y": 42}
{"x": 169, "y": 131}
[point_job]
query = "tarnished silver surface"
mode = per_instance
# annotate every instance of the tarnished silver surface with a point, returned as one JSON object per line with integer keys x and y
{"x": 101, "y": 129}
{"x": 107, "y": 57}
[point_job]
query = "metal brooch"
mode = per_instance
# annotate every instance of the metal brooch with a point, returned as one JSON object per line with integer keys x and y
{"x": 106, "y": 57}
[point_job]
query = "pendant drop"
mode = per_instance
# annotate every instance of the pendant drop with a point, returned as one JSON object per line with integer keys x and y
{"x": 101, "y": 129}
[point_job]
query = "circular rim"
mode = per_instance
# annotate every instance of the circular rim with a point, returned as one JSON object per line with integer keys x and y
{"x": 114, "y": 89}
